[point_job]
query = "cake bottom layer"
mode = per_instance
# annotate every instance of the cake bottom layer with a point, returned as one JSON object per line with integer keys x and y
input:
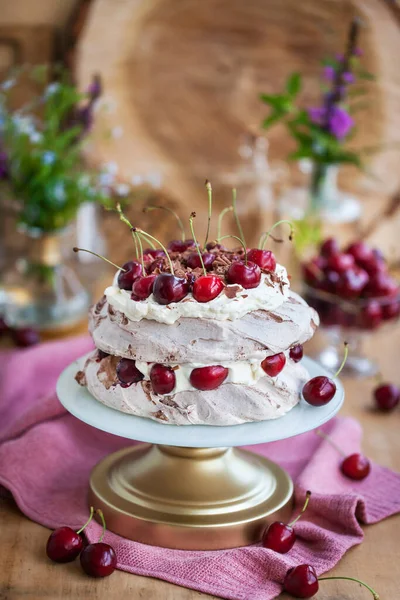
{"x": 229, "y": 404}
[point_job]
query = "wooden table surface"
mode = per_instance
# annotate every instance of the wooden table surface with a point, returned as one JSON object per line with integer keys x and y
{"x": 25, "y": 572}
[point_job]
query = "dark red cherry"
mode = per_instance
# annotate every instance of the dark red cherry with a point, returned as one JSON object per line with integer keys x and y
{"x": 313, "y": 271}
{"x": 194, "y": 262}
{"x": 352, "y": 282}
{"x": 341, "y": 262}
{"x": 127, "y": 372}
{"x": 98, "y": 560}
{"x": 25, "y": 337}
{"x": 361, "y": 252}
{"x": 208, "y": 378}
{"x": 158, "y": 263}
{"x": 214, "y": 246}
{"x": 296, "y": 353}
{"x": 265, "y": 259}
{"x": 301, "y": 581}
{"x": 330, "y": 281}
{"x": 329, "y": 247}
{"x": 143, "y": 287}
{"x": 319, "y": 390}
{"x": 279, "y": 537}
{"x": 274, "y": 364}
{"x": 370, "y": 315}
{"x": 207, "y": 288}
{"x": 180, "y": 245}
{"x": 133, "y": 270}
{"x": 169, "y": 288}
{"x": 64, "y": 545}
{"x": 162, "y": 379}
{"x": 390, "y": 310}
{"x": 356, "y": 466}
{"x": 154, "y": 253}
{"x": 248, "y": 276}
{"x": 387, "y": 396}
{"x": 381, "y": 284}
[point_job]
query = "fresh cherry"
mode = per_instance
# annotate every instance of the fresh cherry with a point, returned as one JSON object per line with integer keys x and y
{"x": 281, "y": 537}
{"x": 296, "y": 353}
{"x": 214, "y": 246}
{"x": 352, "y": 282}
{"x": 313, "y": 271}
{"x": 265, "y": 259}
{"x": 247, "y": 275}
{"x": 387, "y": 396}
{"x": 381, "y": 284}
{"x": 319, "y": 390}
{"x": 127, "y": 372}
{"x": 329, "y": 247}
{"x": 273, "y": 365}
{"x": 207, "y": 288}
{"x": 356, "y": 466}
{"x": 99, "y": 560}
{"x": 194, "y": 261}
{"x": 361, "y": 252}
{"x": 302, "y": 582}
{"x": 180, "y": 245}
{"x": 132, "y": 271}
{"x": 208, "y": 378}
{"x": 158, "y": 263}
{"x": 390, "y": 310}
{"x": 143, "y": 287}
{"x": 341, "y": 262}
{"x": 162, "y": 379}
{"x": 169, "y": 288}
{"x": 25, "y": 337}
{"x": 65, "y": 544}
{"x": 154, "y": 253}
{"x": 370, "y": 315}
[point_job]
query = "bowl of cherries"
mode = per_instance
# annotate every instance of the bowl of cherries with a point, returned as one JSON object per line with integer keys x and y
{"x": 355, "y": 296}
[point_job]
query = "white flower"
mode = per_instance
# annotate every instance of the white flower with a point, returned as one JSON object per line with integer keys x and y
{"x": 122, "y": 189}
{"x": 51, "y": 89}
{"x": 106, "y": 179}
{"x": 48, "y": 157}
{"x": 111, "y": 168}
{"x": 117, "y": 132}
{"x": 84, "y": 181}
{"x": 35, "y": 137}
{"x": 59, "y": 192}
{"x": 23, "y": 124}
{"x": 137, "y": 180}
{"x": 7, "y": 84}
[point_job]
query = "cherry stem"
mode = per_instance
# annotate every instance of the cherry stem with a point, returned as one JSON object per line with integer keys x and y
{"x": 103, "y": 521}
{"x": 192, "y": 216}
{"x": 307, "y": 500}
{"x": 375, "y": 595}
{"x": 139, "y": 242}
{"x": 346, "y": 353}
{"x": 209, "y": 192}
{"x": 148, "y": 237}
{"x": 167, "y": 209}
{"x": 75, "y": 249}
{"x": 237, "y": 220}
{"x": 331, "y": 442}
{"x": 125, "y": 220}
{"x": 88, "y": 521}
{"x": 220, "y": 217}
{"x": 235, "y": 237}
{"x": 135, "y": 239}
{"x": 267, "y": 234}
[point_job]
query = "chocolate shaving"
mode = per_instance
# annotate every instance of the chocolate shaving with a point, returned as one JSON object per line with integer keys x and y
{"x": 80, "y": 378}
{"x": 232, "y": 291}
{"x": 160, "y": 415}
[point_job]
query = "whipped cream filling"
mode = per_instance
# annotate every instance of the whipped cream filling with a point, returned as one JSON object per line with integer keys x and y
{"x": 268, "y": 295}
{"x": 240, "y": 372}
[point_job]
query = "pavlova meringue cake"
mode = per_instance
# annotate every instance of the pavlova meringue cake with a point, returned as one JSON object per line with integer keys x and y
{"x": 190, "y": 341}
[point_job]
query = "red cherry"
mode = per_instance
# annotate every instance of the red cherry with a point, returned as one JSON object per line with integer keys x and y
{"x": 64, "y": 545}
{"x": 361, "y": 252}
{"x": 162, "y": 379}
{"x": 319, "y": 390}
{"x": 98, "y": 560}
{"x": 127, "y": 372}
{"x": 214, "y": 246}
{"x": 390, "y": 310}
{"x": 281, "y": 537}
{"x": 248, "y": 276}
{"x": 133, "y": 270}
{"x": 301, "y": 581}
{"x": 158, "y": 263}
{"x": 329, "y": 247}
{"x": 208, "y": 378}
{"x": 341, "y": 262}
{"x": 312, "y": 271}
{"x": 207, "y": 288}
{"x": 330, "y": 281}
{"x": 381, "y": 284}
{"x": 370, "y": 316}
{"x": 194, "y": 262}
{"x": 25, "y": 337}
{"x": 154, "y": 253}
{"x": 180, "y": 245}
{"x": 265, "y": 259}
{"x": 296, "y": 353}
{"x": 356, "y": 466}
{"x": 387, "y": 396}
{"x": 143, "y": 287}
{"x": 169, "y": 288}
{"x": 352, "y": 282}
{"x": 274, "y": 364}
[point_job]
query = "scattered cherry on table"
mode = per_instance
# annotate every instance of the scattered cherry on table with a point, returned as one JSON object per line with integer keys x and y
{"x": 99, "y": 559}
{"x": 354, "y": 466}
{"x": 387, "y": 396}
{"x": 302, "y": 582}
{"x": 64, "y": 544}
{"x": 281, "y": 537}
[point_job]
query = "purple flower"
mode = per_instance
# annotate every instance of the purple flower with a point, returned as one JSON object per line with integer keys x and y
{"x": 95, "y": 89}
{"x": 3, "y": 165}
{"x": 316, "y": 114}
{"x": 329, "y": 73}
{"x": 348, "y": 77}
{"x": 358, "y": 52}
{"x": 340, "y": 122}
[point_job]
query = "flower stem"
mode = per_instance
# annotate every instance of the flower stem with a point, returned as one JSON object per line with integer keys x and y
{"x": 266, "y": 235}
{"x": 238, "y": 220}
{"x": 148, "y": 237}
{"x": 192, "y": 216}
{"x": 75, "y": 249}
{"x": 331, "y": 442}
{"x": 220, "y": 217}
{"x": 307, "y": 500}
{"x": 346, "y": 353}
{"x": 103, "y": 521}
{"x": 235, "y": 237}
{"x": 209, "y": 192}
{"x": 167, "y": 209}
{"x": 374, "y": 594}
{"x": 88, "y": 521}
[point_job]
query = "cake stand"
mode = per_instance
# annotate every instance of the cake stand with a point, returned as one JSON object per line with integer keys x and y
{"x": 190, "y": 486}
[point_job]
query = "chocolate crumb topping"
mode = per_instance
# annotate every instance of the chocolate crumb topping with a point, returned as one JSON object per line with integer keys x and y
{"x": 80, "y": 378}
{"x": 160, "y": 415}
{"x": 232, "y": 291}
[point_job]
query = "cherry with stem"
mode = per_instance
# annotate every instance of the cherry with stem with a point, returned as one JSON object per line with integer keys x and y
{"x": 64, "y": 544}
{"x": 267, "y": 234}
{"x": 239, "y": 226}
{"x": 320, "y": 390}
{"x": 206, "y": 287}
{"x": 281, "y": 537}
{"x": 99, "y": 559}
{"x": 354, "y": 466}
{"x": 75, "y": 249}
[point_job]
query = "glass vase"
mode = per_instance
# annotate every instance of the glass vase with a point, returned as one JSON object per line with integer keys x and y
{"x": 41, "y": 288}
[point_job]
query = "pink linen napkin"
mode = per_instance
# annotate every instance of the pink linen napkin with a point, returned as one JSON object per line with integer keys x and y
{"x": 46, "y": 456}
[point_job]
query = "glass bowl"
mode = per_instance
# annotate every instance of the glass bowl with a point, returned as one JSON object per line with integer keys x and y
{"x": 354, "y": 322}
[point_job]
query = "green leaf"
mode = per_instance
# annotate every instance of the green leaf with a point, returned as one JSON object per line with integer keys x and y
{"x": 362, "y": 74}
{"x": 272, "y": 119}
{"x": 301, "y": 153}
{"x": 293, "y": 84}
{"x": 276, "y": 101}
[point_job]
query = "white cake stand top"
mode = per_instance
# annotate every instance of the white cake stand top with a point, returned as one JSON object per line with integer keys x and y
{"x": 303, "y": 417}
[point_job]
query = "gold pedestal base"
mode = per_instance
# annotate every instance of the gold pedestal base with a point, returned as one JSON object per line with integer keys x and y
{"x": 190, "y": 498}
